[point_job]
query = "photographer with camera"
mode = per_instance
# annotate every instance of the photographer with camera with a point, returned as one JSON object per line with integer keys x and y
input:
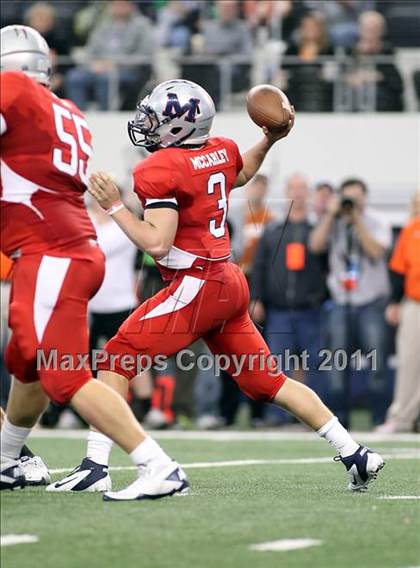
{"x": 357, "y": 240}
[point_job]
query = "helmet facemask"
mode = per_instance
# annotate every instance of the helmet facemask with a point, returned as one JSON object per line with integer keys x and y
{"x": 143, "y": 129}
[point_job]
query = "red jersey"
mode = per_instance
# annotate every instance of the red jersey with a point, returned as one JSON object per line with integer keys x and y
{"x": 46, "y": 144}
{"x": 196, "y": 182}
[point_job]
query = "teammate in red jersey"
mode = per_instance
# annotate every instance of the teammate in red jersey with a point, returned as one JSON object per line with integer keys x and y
{"x": 184, "y": 187}
{"x": 58, "y": 266}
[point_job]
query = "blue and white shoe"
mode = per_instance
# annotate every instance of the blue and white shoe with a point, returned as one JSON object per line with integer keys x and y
{"x": 362, "y": 467}
{"x": 88, "y": 476}
{"x": 34, "y": 470}
{"x": 153, "y": 482}
{"x": 11, "y": 476}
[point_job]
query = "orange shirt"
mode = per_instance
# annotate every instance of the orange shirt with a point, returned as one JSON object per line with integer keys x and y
{"x": 254, "y": 223}
{"x": 406, "y": 258}
{"x": 5, "y": 267}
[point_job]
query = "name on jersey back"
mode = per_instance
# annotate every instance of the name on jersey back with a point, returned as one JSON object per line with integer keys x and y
{"x": 211, "y": 159}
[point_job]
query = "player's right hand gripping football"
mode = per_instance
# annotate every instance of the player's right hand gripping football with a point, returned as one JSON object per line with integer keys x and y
{"x": 275, "y": 135}
{"x": 102, "y": 187}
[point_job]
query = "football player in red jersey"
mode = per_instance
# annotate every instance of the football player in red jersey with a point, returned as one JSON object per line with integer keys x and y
{"x": 184, "y": 188}
{"x": 58, "y": 267}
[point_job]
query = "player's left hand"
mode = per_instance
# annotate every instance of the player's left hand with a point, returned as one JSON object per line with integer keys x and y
{"x": 275, "y": 135}
{"x": 102, "y": 187}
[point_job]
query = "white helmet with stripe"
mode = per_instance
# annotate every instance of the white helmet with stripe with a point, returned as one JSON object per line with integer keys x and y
{"x": 24, "y": 49}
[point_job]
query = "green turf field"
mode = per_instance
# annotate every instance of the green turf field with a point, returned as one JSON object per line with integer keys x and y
{"x": 230, "y": 507}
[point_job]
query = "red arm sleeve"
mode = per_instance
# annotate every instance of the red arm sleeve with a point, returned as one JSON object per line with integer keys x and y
{"x": 237, "y": 155}
{"x": 12, "y": 85}
{"x": 154, "y": 183}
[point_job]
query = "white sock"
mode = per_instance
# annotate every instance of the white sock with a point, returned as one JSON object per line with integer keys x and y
{"x": 99, "y": 448}
{"x": 13, "y": 439}
{"x": 338, "y": 437}
{"x": 149, "y": 452}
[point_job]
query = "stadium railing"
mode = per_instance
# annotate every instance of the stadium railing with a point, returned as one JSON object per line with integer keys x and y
{"x": 235, "y": 74}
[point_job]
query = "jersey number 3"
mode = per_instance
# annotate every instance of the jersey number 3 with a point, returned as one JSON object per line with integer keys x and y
{"x": 218, "y": 179}
{"x": 76, "y": 144}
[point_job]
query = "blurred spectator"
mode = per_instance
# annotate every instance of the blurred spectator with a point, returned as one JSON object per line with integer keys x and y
{"x": 256, "y": 216}
{"x": 342, "y": 19}
{"x": 226, "y": 35}
{"x": 13, "y": 12}
{"x": 150, "y": 8}
{"x": 307, "y": 86}
{"x": 376, "y": 86}
{"x": 281, "y": 17}
{"x": 86, "y": 19}
{"x": 42, "y": 17}
{"x": 404, "y": 311}
{"x": 403, "y": 19}
{"x": 288, "y": 285}
{"x": 162, "y": 413}
{"x": 260, "y": 13}
{"x": 323, "y": 192}
{"x": 357, "y": 240}
{"x": 122, "y": 33}
{"x": 320, "y": 199}
{"x": 176, "y": 23}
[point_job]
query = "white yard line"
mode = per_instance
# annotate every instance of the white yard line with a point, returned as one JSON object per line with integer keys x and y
{"x": 12, "y": 539}
{"x": 234, "y": 436}
{"x": 409, "y": 455}
{"x": 400, "y": 497}
{"x": 284, "y": 545}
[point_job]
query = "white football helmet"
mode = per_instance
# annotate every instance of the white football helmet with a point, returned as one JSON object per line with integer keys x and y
{"x": 24, "y": 49}
{"x": 176, "y": 113}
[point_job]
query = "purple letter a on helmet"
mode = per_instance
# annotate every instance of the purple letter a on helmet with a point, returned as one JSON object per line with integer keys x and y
{"x": 175, "y": 110}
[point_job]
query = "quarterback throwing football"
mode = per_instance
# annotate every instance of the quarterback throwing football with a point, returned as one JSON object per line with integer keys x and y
{"x": 184, "y": 187}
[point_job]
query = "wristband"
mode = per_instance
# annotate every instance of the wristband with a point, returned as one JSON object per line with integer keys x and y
{"x": 118, "y": 205}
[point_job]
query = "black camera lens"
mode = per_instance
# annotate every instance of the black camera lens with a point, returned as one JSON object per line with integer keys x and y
{"x": 347, "y": 203}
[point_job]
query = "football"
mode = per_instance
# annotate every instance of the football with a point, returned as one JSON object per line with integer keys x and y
{"x": 268, "y": 106}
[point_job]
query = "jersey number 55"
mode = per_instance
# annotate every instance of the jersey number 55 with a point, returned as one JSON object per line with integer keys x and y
{"x": 72, "y": 159}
